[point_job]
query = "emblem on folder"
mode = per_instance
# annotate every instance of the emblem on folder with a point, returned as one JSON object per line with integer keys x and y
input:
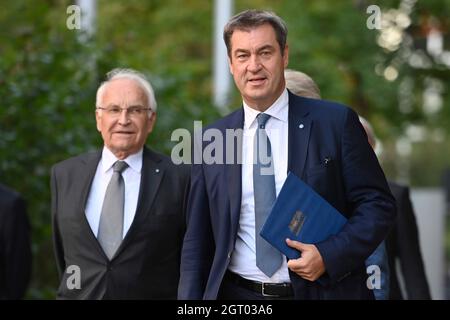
{"x": 297, "y": 222}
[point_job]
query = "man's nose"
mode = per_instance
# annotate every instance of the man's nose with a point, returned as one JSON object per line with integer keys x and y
{"x": 254, "y": 64}
{"x": 124, "y": 118}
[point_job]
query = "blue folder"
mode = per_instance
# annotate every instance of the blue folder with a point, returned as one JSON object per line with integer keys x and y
{"x": 299, "y": 213}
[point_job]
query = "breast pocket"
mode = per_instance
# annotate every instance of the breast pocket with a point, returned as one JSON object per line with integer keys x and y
{"x": 317, "y": 169}
{"x": 322, "y": 178}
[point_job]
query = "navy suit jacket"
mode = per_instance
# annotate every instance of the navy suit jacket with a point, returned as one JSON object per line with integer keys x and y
{"x": 350, "y": 179}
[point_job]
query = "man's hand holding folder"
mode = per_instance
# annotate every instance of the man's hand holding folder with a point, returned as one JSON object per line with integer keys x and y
{"x": 305, "y": 218}
{"x": 310, "y": 265}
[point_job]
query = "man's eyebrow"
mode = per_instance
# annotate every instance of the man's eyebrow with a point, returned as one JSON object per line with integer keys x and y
{"x": 266, "y": 47}
{"x": 131, "y": 105}
{"x": 112, "y": 105}
{"x": 241, "y": 51}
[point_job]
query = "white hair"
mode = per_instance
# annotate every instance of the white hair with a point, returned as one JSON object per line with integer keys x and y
{"x": 369, "y": 131}
{"x": 301, "y": 84}
{"x": 120, "y": 73}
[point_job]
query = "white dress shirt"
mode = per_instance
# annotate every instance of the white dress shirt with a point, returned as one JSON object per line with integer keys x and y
{"x": 132, "y": 179}
{"x": 243, "y": 260}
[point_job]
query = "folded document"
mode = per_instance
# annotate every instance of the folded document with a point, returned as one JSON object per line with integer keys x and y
{"x": 299, "y": 213}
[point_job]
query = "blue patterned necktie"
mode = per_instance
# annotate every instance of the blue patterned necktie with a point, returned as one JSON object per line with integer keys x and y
{"x": 268, "y": 259}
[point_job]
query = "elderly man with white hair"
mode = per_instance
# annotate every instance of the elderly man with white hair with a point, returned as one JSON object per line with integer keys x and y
{"x": 118, "y": 213}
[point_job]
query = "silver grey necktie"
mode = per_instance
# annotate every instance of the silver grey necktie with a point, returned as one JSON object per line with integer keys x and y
{"x": 268, "y": 259}
{"x": 111, "y": 218}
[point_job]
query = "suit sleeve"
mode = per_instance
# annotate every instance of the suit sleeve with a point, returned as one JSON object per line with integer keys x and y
{"x": 370, "y": 205}
{"x": 57, "y": 242}
{"x": 187, "y": 187}
{"x": 409, "y": 250}
{"x": 17, "y": 246}
{"x": 198, "y": 245}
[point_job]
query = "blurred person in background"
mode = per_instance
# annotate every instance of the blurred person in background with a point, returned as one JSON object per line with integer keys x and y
{"x": 15, "y": 245}
{"x": 301, "y": 84}
{"x": 402, "y": 242}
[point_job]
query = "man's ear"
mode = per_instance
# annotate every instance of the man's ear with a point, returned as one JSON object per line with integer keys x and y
{"x": 98, "y": 119}
{"x": 229, "y": 65}
{"x": 286, "y": 56}
{"x": 152, "y": 121}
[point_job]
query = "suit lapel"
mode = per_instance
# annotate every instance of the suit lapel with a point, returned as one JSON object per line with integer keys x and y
{"x": 234, "y": 171}
{"x": 299, "y": 132}
{"x": 86, "y": 175}
{"x": 151, "y": 177}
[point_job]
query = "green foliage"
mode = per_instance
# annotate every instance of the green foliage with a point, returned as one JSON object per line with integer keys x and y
{"x": 46, "y": 115}
{"x": 331, "y": 42}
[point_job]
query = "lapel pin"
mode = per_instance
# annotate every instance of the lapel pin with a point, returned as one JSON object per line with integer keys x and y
{"x": 301, "y": 126}
{"x": 157, "y": 170}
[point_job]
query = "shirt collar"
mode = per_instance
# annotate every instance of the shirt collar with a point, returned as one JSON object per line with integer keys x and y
{"x": 278, "y": 110}
{"x": 134, "y": 161}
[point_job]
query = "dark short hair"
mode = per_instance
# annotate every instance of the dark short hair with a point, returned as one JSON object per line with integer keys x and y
{"x": 249, "y": 19}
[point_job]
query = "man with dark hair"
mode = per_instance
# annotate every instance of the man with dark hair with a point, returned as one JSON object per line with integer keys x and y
{"x": 321, "y": 142}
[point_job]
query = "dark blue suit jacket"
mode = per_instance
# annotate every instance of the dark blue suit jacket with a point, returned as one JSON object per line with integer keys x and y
{"x": 350, "y": 179}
